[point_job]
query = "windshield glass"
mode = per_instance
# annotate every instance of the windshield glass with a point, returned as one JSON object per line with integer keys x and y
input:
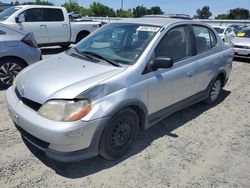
{"x": 8, "y": 12}
{"x": 219, "y": 30}
{"x": 122, "y": 43}
{"x": 244, "y": 33}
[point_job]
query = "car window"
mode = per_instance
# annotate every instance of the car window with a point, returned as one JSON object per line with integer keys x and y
{"x": 204, "y": 38}
{"x": 229, "y": 30}
{"x": 123, "y": 43}
{"x": 2, "y": 32}
{"x": 33, "y": 15}
{"x": 53, "y": 15}
{"x": 175, "y": 44}
{"x": 8, "y": 12}
{"x": 219, "y": 30}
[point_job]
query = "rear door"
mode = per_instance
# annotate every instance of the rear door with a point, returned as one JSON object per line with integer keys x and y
{"x": 35, "y": 23}
{"x": 208, "y": 58}
{"x": 57, "y": 25}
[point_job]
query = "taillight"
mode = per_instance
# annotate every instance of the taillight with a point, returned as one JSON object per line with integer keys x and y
{"x": 30, "y": 40}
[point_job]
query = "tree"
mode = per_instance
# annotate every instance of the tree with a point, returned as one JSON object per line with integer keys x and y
{"x": 17, "y": 3}
{"x": 239, "y": 14}
{"x": 204, "y": 13}
{"x": 139, "y": 11}
{"x": 38, "y": 2}
{"x": 222, "y": 16}
{"x": 99, "y": 9}
{"x": 156, "y": 10}
{"x": 124, "y": 13}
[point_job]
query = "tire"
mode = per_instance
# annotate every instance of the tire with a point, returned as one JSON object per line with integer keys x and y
{"x": 214, "y": 92}
{"x": 9, "y": 68}
{"x": 80, "y": 36}
{"x": 119, "y": 134}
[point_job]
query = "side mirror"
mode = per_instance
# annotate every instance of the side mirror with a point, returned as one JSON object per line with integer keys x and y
{"x": 162, "y": 62}
{"x": 20, "y": 18}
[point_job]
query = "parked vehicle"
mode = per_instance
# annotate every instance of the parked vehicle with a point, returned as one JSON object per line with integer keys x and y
{"x": 125, "y": 77}
{"x": 74, "y": 15}
{"x": 237, "y": 28}
{"x": 17, "y": 50}
{"x": 241, "y": 43}
{"x": 226, "y": 33}
{"x": 49, "y": 24}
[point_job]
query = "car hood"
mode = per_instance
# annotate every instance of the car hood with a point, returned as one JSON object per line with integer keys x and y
{"x": 242, "y": 41}
{"x": 61, "y": 76}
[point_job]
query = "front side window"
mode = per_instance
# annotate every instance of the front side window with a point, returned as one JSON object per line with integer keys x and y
{"x": 204, "y": 38}
{"x": 175, "y": 44}
{"x": 33, "y": 15}
{"x": 123, "y": 43}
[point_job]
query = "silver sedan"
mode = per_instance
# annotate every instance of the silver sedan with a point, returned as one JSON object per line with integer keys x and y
{"x": 17, "y": 50}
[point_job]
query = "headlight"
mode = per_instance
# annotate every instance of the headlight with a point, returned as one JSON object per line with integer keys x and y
{"x": 65, "y": 110}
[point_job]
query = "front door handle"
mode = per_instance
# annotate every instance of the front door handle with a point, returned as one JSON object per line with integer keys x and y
{"x": 65, "y": 25}
{"x": 43, "y": 26}
{"x": 190, "y": 73}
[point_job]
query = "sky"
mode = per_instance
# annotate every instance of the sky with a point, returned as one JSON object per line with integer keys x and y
{"x": 168, "y": 6}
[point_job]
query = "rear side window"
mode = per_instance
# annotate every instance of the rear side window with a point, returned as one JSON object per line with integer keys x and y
{"x": 204, "y": 38}
{"x": 53, "y": 15}
{"x": 175, "y": 44}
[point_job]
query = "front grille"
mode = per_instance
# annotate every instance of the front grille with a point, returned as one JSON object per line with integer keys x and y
{"x": 33, "y": 140}
{"x": 31, "y": 104}
{"x": 243, "y": 47}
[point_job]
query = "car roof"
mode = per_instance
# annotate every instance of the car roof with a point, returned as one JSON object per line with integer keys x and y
{"x": 156, "y": 21}
{"x": 38, "y": 6}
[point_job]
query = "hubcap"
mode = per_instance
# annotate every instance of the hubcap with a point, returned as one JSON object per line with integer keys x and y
{"x": 8, "y": 72}
{"x": 215, "y": 90}
{"x": 121, "y": 134}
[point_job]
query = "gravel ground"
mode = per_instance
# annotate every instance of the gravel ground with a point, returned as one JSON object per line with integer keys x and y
{"x": 199, "y": 146}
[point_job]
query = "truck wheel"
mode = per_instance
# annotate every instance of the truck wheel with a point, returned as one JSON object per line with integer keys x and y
{"x": 80, "y": 36}
{"x": 119, "y": 134}
{"x": 214, "y": 92}
{"x": 9, "y": 68}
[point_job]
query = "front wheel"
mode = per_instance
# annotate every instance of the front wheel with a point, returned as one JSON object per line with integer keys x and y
{"x": 214, "y": 92}
{"x": 9, "y": 68}
{"x": 119, "y": 134}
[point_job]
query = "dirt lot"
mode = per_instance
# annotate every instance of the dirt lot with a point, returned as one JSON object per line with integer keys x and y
{"x": 199, "y": 146}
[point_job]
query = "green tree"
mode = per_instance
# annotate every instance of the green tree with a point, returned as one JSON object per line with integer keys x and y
{"x": 75, "y": 7}
{"x": 17, "y": 3}
{"x": 124, "y": 13}
{"x": 38, "y": 2}
{"x": 222, "y": 17}
{"x": 140, "y": 11}
{"x": 239, "y": 14}
{"x": 204, "y": 13}
{"x": 156, "y": 10}
{"x": 99, "y": 9}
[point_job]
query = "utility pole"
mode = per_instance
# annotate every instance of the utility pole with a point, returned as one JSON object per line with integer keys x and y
{"x": 122, "y": 5}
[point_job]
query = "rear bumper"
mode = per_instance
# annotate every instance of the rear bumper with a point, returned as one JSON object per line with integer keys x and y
{"x": 63, "y": 141}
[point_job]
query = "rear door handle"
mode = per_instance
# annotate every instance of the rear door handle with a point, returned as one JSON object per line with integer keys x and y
{"x": 43, "y": 26}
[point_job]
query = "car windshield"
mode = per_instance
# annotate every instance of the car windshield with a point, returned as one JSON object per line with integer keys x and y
{"x": 244, "y": 33}
{"x": 219, "y": 30}
{"x": 121, "y": 43}
{"x": 8, "y": 12}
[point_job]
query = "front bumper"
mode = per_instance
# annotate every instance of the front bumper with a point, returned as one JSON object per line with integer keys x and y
{"x": 63, "y": 141}
{"x": 241, "y": 52}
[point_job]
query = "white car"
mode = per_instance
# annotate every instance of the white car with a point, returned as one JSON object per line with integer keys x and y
{"x": 74, "y": 15}
{"x": 49, "y": 24}
{"x": 226, "y": 33}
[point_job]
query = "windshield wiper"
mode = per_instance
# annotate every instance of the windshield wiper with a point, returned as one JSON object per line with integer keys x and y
{"x": 100, "y": 57}
{"x": 84, "y": 55}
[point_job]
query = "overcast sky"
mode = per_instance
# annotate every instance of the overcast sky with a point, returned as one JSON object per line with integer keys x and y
{"x": 168, "y": 6}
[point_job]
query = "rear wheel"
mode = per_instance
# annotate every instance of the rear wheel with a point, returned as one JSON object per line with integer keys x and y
{"x": 214, "y": 92}
{"x": 9, "y": 68}
{"x": 119, "y": 134}
{"x": 80, "y": 36}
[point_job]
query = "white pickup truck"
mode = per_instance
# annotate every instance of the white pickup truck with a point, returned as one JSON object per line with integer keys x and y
{"x": 49, "y": 24}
